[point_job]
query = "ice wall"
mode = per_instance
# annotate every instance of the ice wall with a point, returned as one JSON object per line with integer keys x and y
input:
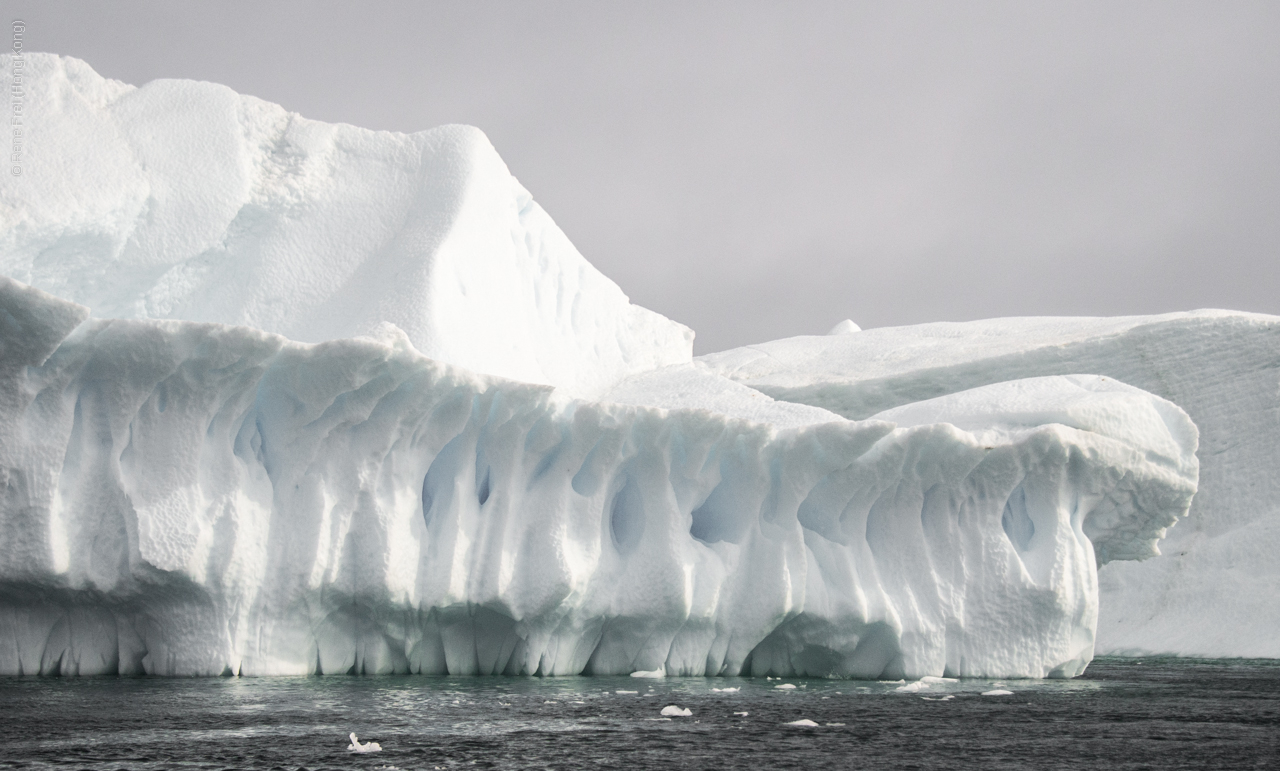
{"x": 186, "y": 498}
{"x": 186, "y": 200}
{"x": 1213, "y": 591}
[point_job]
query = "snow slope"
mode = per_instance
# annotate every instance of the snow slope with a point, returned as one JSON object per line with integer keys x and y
{"x": 187, "y": 498}
{"x": 186, "y": 200}
{"x": 1213, "y": 591}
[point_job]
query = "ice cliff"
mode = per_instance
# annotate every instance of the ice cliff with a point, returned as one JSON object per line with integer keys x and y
{"x": 184, "y": 498}
{"x": 1213, "y": 591}
{"x": 283, "y": 397}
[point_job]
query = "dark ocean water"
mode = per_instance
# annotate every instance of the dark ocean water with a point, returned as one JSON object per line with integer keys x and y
{"x": 1122, "y": 714}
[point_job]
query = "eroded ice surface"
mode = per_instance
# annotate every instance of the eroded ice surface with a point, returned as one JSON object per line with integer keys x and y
{"x": 186, "y": 498}
{"x": 1212, "y": 591}
{"x": 271, "y": 449}
{"x": 187, "y": 200}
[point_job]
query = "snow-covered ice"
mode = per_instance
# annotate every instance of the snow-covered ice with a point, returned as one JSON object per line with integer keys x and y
{"x": 187, "y": 200}
{"x": 1212, "y": 591}
{"x": 312, "y": 399}
{"x": 803, "y": 723}
{"x": 672, "y": 710}
{"x": 357, "y": 746}
{"x": 238, "y": 502}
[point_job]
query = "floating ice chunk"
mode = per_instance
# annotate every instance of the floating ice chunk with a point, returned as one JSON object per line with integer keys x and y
{"x": 803, "y": 722}
{"x": 785, "y": 687}
{"x": 356, "y": 746}
{"x": 671, "y": 710}
{"x": 626, "y": 693}
{"x": 932, "y": 680}
{"x": 844, "y": 328}
{"x": 948, "y": 697}
{"x": 726, "y": 690}
{"x": 654, "y": 673}
{"x": 742, "y": 714}
{"x": 835, "y": 725}
{"x": 915, "y": 687}
{"x": 997, "y": 692}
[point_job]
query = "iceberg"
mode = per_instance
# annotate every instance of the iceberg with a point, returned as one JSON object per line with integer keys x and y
{"x": 187, "y": 200}
{"x": 278, "y": 397}
{"x": 194, "y": 498}
{"x": 1211, "y": 593}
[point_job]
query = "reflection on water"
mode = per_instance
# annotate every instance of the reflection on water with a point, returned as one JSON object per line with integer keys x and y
{"x": 1154, "y": 713}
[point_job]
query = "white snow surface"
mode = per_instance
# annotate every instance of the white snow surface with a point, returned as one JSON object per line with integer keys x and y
{"x": 186, "y": 200}
{"x": 197, "y": 498}
{"x": 1213, "y": 590}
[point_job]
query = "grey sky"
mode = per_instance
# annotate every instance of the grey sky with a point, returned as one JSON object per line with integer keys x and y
{"x": 760, "y": 170}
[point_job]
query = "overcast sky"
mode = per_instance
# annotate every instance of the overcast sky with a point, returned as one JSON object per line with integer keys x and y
{"x": 761, "y": 170}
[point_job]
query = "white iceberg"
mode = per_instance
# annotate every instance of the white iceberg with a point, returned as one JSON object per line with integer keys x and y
{"x": 193, "y": 498}
{"x": 1212, "y": 592}
{"x": 196, "y": 497}
{"x": 672, "y": 710}
{"x": 183, "y": 199}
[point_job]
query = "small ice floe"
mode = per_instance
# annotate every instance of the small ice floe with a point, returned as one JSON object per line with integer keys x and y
{"x": 650, "y": 673}
{"x": 742, "y": 714}
{"x": 356, "y": 746}
{"x": 835, "y": 725}
{"x": 626, "y": 693}
{"x": 915, "y": 687}
{"x": 948, "y": 697}
{"x": 803, "y": 722}
{"x": 785, "y": 687}
{"x": 726, "y": 690}
{"x": 935, "y": 680}
{"x": 997, "y": 692}
{"x": 671, "y": 710}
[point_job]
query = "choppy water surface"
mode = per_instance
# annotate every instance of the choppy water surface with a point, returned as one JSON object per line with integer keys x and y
{"x": 1165, "y": 713}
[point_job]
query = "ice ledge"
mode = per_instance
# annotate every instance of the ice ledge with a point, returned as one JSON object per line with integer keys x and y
{"x": 198, "y": 499}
